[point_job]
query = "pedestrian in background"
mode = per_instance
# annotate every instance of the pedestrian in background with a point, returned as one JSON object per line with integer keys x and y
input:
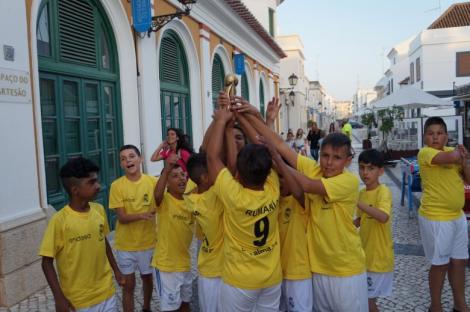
{"x": 176, "y": 143}
{"x": 314, "y": 135}
{"x": 300, "y": 142}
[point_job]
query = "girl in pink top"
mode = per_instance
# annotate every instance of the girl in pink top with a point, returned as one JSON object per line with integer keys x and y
{"x": 176, "y": 143}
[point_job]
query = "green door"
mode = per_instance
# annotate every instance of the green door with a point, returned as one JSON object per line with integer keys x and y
{"x": 174, "y": 85}
{"x": 218, "y": 75}
{"x": 245, "y": 89}
{"x": 261, "y": 98}
{"x": 79, "y": 82}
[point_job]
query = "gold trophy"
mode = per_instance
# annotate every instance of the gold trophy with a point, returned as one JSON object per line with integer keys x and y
{"x": 230, "y": 84}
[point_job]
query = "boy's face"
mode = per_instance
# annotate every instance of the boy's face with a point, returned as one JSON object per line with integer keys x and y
{"x": 435, "y": 136}
{"x": 333, "y": 160}
{"x": 239, "y": 139}
{"x": 87, "y": 188}
{"x": 176, "y": 182}
{"x": 369, "y": 173}
{"x": 130, "y": 161}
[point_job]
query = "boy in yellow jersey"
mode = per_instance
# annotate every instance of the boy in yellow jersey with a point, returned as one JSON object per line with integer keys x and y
{"x": 251, "y": 276}
{"x": 297, "y": 288}
{"x": 375, "y": 221}
{"x": 76, "y": 238}
{"x": 171, "y": 259}
{"x": 442, "y": 223}
{"x": 131, "y": 196}
{"x": 208, "y": 212}
{"x": 336, "y": 257}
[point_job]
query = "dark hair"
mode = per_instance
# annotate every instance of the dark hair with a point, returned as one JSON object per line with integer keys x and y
{"x": 372, "y": 157}
{"x": 435, "y": 121}
{"x": 337, "y": 140}
{"x": 130, "y": 146}
{"x": 197, "y": 166}
{"x": 183, "y": 140}
{"x": 254, "y": 162}
{"x": 76, "y": 169}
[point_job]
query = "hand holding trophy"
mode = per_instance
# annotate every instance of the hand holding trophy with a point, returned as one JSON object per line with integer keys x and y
{"x": 230, "y": 85}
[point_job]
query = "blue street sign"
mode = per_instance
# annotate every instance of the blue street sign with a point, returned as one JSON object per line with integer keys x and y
{"x": 141, "y": 15}
{"x": 239, "y": 60}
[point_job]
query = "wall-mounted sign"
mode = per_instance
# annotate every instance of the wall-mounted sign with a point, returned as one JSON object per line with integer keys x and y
{"x": 141, "y": 15}
{"x": 239, "y": 61}
{"x": 14, "y": 86}
{"x": 8, "y": 53}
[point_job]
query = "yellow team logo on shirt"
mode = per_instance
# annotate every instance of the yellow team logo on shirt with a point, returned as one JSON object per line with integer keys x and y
{"x": 101, "y": 232}
{"x": 287, "y": 214}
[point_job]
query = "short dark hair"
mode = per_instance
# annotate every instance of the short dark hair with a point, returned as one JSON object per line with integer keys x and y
{"x": 197, "y": 166}
{"x": 76, "y": 169}
{"x": 254, "y": 162}
{"x": 435, "y": 121}
{"x": 372, "y": 157}
{"x": 130, "y": 146}
{"x": 337, "y": 140}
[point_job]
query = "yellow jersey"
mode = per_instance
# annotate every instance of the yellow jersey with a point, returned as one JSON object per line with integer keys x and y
{"x": 174, "y": 235}
{"x": 376, "y": 237}
{"x": 334, "y": 245}
{"x": 293, "y": 220}
{"x": 443, "y": 189}
{"x": 134, "y": 197}
{"x": 251, "y": 233}
{"x": 76, "y": 240}
{"x": 208, "y": 212}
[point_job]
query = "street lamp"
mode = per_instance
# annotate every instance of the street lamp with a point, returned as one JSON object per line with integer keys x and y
{"x": 159, "y": 21}
{"x": 293, "y": 79}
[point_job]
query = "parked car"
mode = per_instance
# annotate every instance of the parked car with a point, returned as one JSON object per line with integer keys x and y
{"x": 356, "y": 124}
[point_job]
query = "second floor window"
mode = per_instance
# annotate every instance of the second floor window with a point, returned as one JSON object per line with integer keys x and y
{"x": 418, "y": 69}
{"x": 463, "y": 64}
{"x": 412, "y": 73}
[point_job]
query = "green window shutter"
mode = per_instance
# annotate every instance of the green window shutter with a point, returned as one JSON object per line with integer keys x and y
{"x": 77, "y": 32}
{"x": 245, "y": 89}
{"x": 170, "y": 68}
{"x": 261, "y": 98}
{"x": 218, "y": 75}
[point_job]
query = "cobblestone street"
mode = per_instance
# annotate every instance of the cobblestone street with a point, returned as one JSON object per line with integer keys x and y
{"x": 410, "y": 280}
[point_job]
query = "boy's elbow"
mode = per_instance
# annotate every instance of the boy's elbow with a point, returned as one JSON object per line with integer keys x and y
{"x": 384, "y": 219}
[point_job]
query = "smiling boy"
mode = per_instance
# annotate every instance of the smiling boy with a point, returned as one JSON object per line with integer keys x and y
{"x": 131, "y": 196}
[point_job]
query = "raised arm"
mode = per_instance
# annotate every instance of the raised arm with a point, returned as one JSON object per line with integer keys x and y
{"x": 156, "y": 155}
{"x": 159, "y": 191}
{"x": 214, "y": 148}
{"x": 288, "y": 154}
{"x": 223, "y": 102}
{"x": 272, "y": 112}
{"x": 231, "y": 148}
{"x": 248, "y": 129}
{"x": 444, "y": 158}
{"x": 314, "y": 186}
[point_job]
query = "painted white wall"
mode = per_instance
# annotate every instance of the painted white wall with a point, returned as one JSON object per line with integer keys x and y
{"x": 260, "y": 9}
{"x": 18, "y": 165}
{"x": 437, "y": 50}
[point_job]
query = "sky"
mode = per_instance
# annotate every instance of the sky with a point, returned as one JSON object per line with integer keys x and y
{"x": 346, "y": 42}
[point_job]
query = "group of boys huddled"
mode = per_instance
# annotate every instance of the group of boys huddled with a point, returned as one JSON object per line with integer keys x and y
{"x": 278, "y": 231}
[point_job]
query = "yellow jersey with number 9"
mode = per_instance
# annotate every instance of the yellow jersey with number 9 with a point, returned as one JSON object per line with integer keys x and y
{"x": 251, "y": 237}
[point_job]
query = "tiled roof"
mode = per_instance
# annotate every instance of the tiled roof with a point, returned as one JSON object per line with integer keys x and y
{"x": 251, "y": 21}
{"x": 457, "y": 15}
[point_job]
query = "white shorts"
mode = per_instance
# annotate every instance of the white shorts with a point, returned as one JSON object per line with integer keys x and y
{"x": 379, "y": 284}
{"x": 297, "y": 295}
{"x": 443, "y": 240}
{"x": 340, "y": 294}
{"x": 208, "y": 293}
{"x": 109, "y": 305}
{"x": 173, "y": 288}
{"x": 233, "y": 299}
{"x": 132, "y": 261}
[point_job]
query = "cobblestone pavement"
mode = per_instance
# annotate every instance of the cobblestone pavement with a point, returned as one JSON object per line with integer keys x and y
{"x": 411, "y": 291}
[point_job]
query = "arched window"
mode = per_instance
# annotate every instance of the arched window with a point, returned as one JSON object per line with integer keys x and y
{"x": 78, "y": 83}
{"x": 261, "y": 98}
{"x": 218, "y": 75}
{"x": 245, "y": 89}
{"x": 174, "y": 85}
